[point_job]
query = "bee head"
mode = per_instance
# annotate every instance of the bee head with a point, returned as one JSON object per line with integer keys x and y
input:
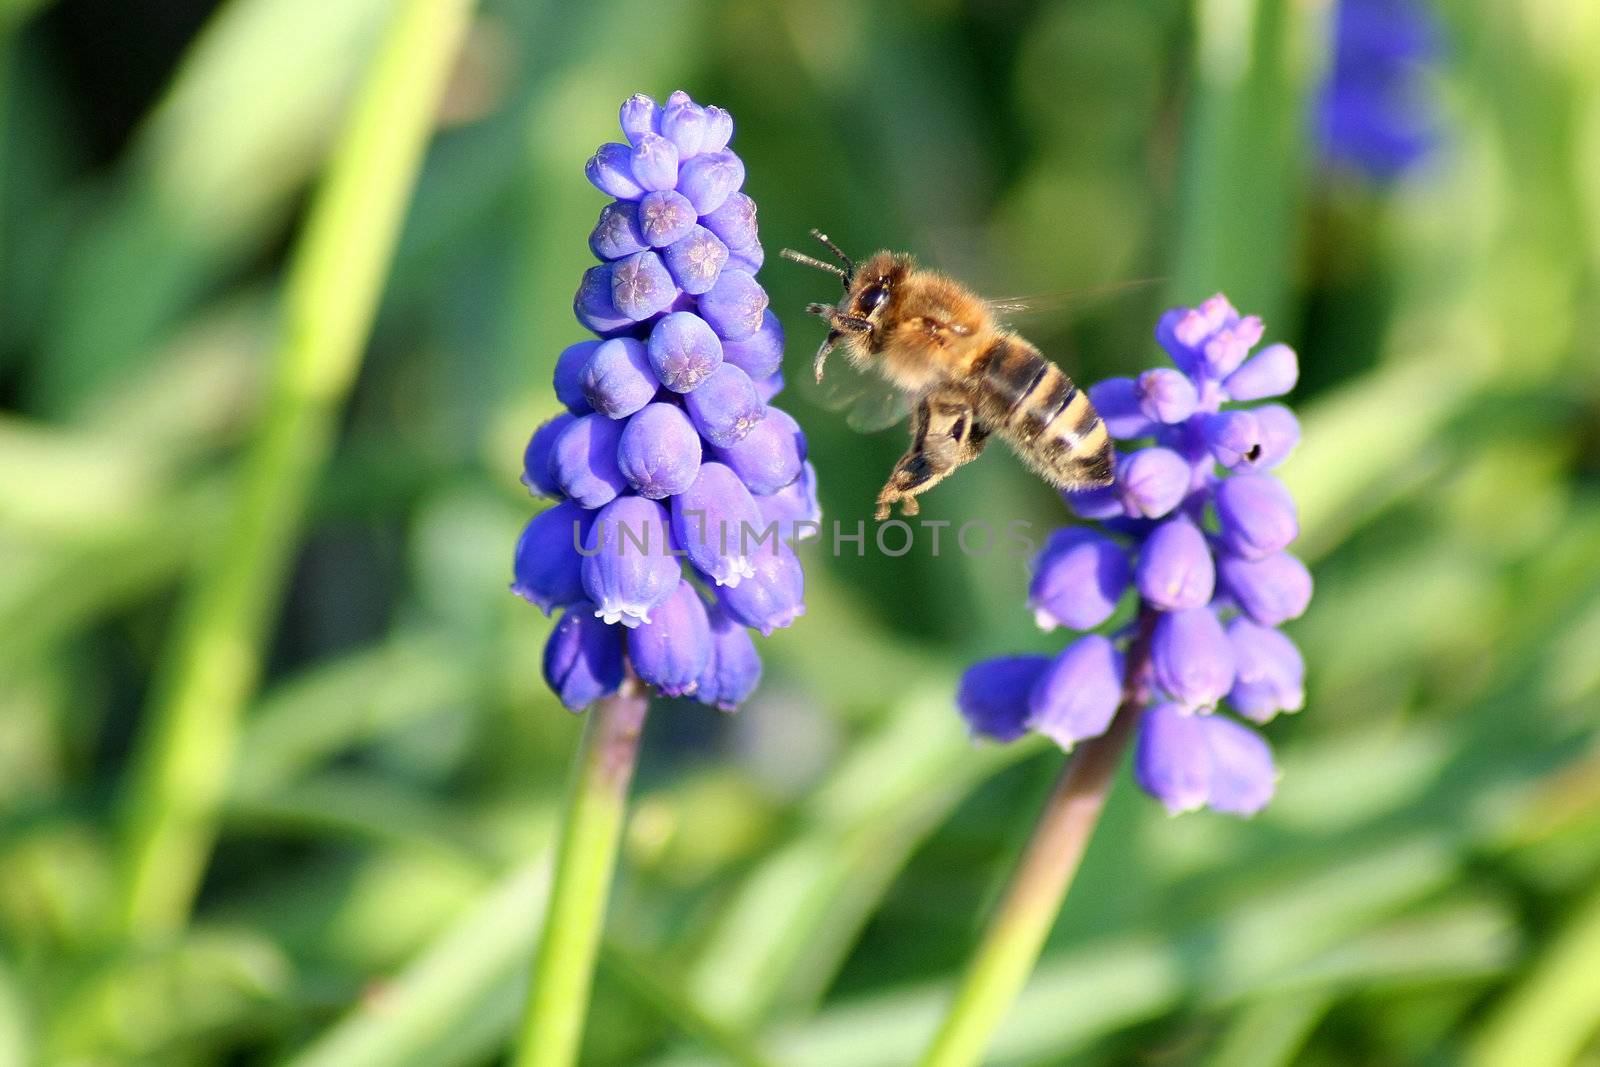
{"x": 867, "y": 292}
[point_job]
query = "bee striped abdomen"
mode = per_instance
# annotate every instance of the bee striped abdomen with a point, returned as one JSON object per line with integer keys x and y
{"x": 1048, "y": 420}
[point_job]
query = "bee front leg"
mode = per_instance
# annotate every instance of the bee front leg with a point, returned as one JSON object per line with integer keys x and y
{"x": 943, "y": 437}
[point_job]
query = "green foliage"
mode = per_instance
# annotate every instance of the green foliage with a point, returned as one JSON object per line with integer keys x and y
{"x": 799, "y": 884}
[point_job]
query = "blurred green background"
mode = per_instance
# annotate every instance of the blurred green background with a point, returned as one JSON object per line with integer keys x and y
{"x": 800, "y": 882}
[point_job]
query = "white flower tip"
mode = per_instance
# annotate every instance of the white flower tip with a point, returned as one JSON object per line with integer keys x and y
{"x": 1044, "y": 620}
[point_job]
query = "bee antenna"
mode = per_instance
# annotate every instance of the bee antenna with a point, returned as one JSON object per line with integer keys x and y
{"x": 800, "y": 257}
{"x": 849, "y": 264}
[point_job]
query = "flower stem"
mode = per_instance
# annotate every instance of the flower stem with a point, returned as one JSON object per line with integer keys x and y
{"x": 563, "y": 967}
{"x": 336, "y": 273}
{"x": 1016, "y": 934}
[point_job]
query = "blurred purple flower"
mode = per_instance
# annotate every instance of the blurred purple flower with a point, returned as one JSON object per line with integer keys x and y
{"x": 1198, "y": 528}
{"x": 1374, "y": 114}
{"x": 669, "y": 451}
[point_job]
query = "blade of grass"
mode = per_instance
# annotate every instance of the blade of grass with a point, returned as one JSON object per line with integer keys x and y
{"x": 336, "y": 275}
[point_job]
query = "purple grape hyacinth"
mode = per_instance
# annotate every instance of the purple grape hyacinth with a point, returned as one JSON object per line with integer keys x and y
{"x": 1197, "y": 530}
{"x": 669, "y": 450}
{"x": 1373, "y": 113}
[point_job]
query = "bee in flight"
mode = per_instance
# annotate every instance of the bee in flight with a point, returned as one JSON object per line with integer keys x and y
{"x": 965, "y": 376}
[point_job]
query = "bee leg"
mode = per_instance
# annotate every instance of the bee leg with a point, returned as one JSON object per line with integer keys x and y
{"x": 943, "y": 437}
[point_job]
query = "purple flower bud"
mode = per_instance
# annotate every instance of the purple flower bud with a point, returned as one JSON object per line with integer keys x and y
{"x": 683, "y": 122}
{"x": 715, "y": 523}
{"x": 1271, "y": 675}
{"x": 1166, "y": 395}
{"x": 719, "y": 130}
{"x": 1272, "y": 590}
{"x": 1152, "y": 481}
{"x": 631, "y": 570}
{"x": 654, "y": 163}
{"x": 794, "y": 507}
{"x": 1226, "y": 349}
{"x": 709, "y": 178}
{"x": 770, "y": 455}
{"x": 1172, "y": 761}
{"x": 593, "y": 305}
{"x": 733, "y": 669}
{"x": 1256, "y": 515}
{"x": 659, "y": 452}
{"x": 749, "y": 258}
{"x": 761, "y": 354}
{"x": 1078, "y": 578}
{"x": 639, "y": 115}
{"x": 641, "y": 286}
{"x": 1075, "y": 697}
{"x": 1105, "y": 503}
{"x": 672, "y": 648}
{"x": 772, "y": 597}
{"x": 767, "y": 387}
{"x": 993, "y": 696}
{"x": 726, "y": 406}
{"x": 665, "y": 216}
{"x": 1233, "y": 437}
{"x": 1243, "y": 776}
{"x": 547, "y": 564}
{"x": 536, "y": 457}
{"x": 617, "y": 234}
{"x": 583, "y": 462}
{"x": 1280, "y": 433}
{"x": 1117, "y": 401}
{"x": 617, "y": 379}
{"x": 734, "y": 221}
{"x": 696, "y": 259}
{"x": 1191, "y": 658}
{"x": 1271, "y": 372}
{"x": 1175, "y": 571}
{"x": 684, "y": 350}
{"x": 583, "y": 659}
{"x": 568, "y": 377}
{"x": 735, "y": 306}
{"x": 610, "y": 171}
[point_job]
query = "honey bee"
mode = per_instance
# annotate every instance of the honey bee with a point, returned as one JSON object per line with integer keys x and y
{"x": 966, "y": 377}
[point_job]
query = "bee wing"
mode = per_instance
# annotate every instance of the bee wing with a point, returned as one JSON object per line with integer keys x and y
{"x": 1071, "y": 300}
{"x": 868, "y": 402}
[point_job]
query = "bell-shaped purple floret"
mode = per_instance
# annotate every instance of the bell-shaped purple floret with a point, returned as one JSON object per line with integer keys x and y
{"x": 683, "y": 122}
{"x": 733, "y": 669}
{"x": 1234, "y": 438}
{"x": 1172, "y": 760}
{"x": 696, "y": 259}
{"x": 536, "y": 474}
{"x": 993, "y": 696}
{"x": 684, "y": 350}
{"x": 610, "y": 170}
{"x": 772, "y": 597}
{"x": 719, "y": 130}
{"x": 568, "y": 378}
{"x": 671, "y": 650}
{"x": 1243, "y": 776}
{"x": 641, "y": 286}
{"x": 794, "y": 508}
{"x": 1256, "y": 515}
{"x": 726, "y": 406}
{"x": 617, "y": 233}
{"x": 583, "y": 659}
{"x": 1117, "y": 401}
{"x": 1271, "y": 673}
{"x": 654, "y": 163}
{"x": 1191, "y": 658}
{"x": 709, "y": 178}
{"x": 748, "y": 259}
{"x": 638, "y": 116}
{"x": 1280, "y": 433}
{"x": 547, "y": 566}
{"x": 734, "y": 221}
{"x": 1175, "y": 570}
{"x": 1166, "y": 395}
{"x": 1152, "y": 481}
{"x": 583, "y": 462}
{"x": 735, "y": 306}
{"x": 592, "y": 303}
{"x": 659, "y": 452}
{"x": 770, "y": 455}
{"x": 717, "y": 525}
{"x": 618, "y": 380}
{"x": 628, "y": 569}
{"x": 1272, "y": 371}
{"x": 1076, "y": 696}
{"x": 665, "y": 216}
{"x": 761, "y": 354}
{"x": 1077, "y": 579}
{"x": 1271, "y": 590}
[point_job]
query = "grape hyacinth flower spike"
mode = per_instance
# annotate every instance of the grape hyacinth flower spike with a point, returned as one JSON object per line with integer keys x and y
{"x": 1374, "y": 115}
{"x": 677, "y": 485}
{"x": 1176, "y": 582}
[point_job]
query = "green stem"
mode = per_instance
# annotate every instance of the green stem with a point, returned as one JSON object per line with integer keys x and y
{"x": 1010, "y": 947}
{"x": 335, "y": 278}
{"x": 563, "y": 968}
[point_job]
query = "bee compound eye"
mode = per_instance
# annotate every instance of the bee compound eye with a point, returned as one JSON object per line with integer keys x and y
{"x": 873, "y": 298}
